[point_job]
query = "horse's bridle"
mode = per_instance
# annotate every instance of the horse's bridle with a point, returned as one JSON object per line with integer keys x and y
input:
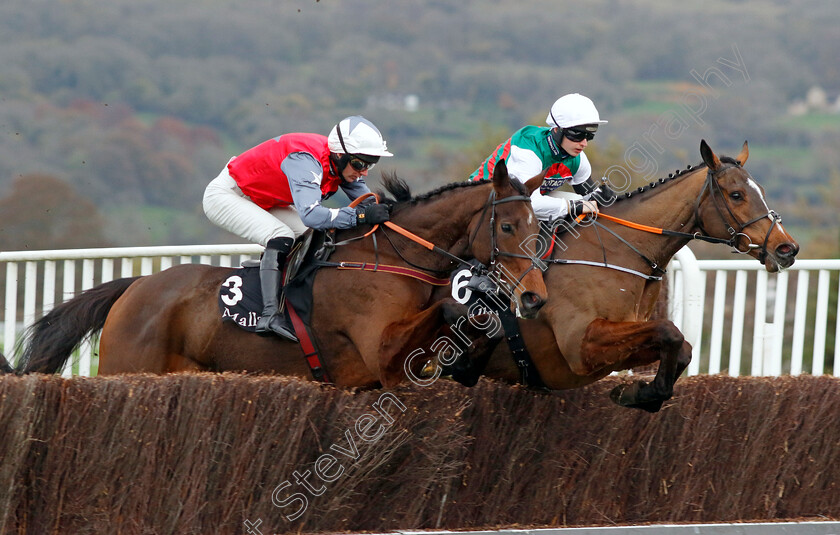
{"x": 718, "y": 199}
{"x": 494, "y": 245}
{"x": 478, "y": 269}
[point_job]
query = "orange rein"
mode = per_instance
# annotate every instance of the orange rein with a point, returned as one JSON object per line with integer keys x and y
{"x": 630, "y": 224}
{"x": 410, "y": 235}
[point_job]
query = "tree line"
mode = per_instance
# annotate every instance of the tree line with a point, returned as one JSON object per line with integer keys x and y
{"x": 136, "y": 105}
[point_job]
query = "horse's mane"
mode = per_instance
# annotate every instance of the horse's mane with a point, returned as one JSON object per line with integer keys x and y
{"x": 401, "y": 193}
{"x": 671, "y": 176}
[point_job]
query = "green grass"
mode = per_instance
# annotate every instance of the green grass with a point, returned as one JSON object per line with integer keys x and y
{"x": 650, "y": 107}
{"x": 797, "y": 161}
{"x": 813, "y": 121}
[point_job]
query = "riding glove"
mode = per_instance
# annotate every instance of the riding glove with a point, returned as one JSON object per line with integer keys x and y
{"x": 604, "y": 195}
{"x": 576, "y": 208}
{"x": 372, "y": 214}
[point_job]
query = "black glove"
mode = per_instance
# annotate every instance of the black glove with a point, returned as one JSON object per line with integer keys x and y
{"x": 482, "y": 283}
{"x": 577, "y": 208}
{"x": 604, "y": 195}
{"x": 372, "y": 214}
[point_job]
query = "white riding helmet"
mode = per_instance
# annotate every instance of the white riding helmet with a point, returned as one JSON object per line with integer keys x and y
{"x": 357, "y": 135}
{"x": 571, "y": 110}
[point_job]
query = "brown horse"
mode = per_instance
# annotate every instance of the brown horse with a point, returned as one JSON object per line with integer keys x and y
{"x": 597, "y": 318}
{"x": 365, "y": 322}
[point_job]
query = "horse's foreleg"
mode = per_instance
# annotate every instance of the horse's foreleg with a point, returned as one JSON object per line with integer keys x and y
{"x": 650, "y": 396}
{"x": 480, "y": 334}
{"x": 609, "y": 343}
{"x": 415, "y": 336}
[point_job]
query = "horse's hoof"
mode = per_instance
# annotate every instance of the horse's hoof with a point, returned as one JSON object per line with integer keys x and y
{"x": 628, "y": 395}
{"x": 649, "y": 406}
{"x": 465, "y": 378}
{"x": 617, "y": 394}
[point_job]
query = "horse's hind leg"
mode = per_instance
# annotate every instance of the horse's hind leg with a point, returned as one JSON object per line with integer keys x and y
{"x": 138, "y": 338}
{"x": 607, "y": 343}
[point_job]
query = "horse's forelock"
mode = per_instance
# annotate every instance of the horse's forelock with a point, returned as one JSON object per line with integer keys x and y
{"x": 519, "y": 187}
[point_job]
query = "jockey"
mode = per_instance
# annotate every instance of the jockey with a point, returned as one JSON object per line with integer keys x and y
{"x": 572, "y": 123}
{"x": 271, "y": 193}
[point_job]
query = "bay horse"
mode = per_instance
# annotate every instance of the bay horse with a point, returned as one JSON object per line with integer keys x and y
{"x": 604, "y": 278}
{"x": 365, "y": 322}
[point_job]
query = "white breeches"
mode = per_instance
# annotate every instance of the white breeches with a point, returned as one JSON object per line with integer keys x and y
{"x": 562, "y": 194}
{"x": 226, "y": 206}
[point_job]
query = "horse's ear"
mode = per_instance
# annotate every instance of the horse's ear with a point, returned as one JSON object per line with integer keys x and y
{"x": 533, "y": 183}
{"x": 745, "y": 153}
{"x": 712, "y": 161}
{"x": 501, "y": 179}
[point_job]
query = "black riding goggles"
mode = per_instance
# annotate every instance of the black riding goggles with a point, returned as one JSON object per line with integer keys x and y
{"x": 362, "y": 165}
{"x": 577, "y": 135}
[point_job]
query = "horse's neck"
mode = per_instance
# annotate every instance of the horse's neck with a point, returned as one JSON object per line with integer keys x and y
{"x": 443, "y": 220}
{"x": 668, "y": 206}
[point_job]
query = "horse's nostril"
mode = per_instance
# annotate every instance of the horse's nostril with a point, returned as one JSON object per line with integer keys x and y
{"x": 532, "y": 300}
{"x": 786, "y": 250}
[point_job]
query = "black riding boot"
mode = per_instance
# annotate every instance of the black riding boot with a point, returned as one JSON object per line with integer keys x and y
{"x": 272, "y": 319}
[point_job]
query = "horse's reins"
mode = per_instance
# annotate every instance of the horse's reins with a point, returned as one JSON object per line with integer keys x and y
{"x": 715, "y": 193}
{"x": 404, "y": 232}
{"x": 494, "y": 253}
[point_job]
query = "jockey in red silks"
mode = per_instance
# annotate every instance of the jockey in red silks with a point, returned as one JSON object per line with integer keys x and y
{"x": 272, "y": 193}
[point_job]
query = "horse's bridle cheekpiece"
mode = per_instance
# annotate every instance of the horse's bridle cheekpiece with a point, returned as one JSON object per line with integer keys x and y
{"x": 494, "y": 246}
{"x": 718, "y": 198}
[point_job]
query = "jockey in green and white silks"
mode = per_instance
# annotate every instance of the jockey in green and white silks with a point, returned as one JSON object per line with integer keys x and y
{"x": 572, "y": 123}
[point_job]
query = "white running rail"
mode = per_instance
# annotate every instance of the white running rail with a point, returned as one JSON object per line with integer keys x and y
{"x": 44, "y": 278}
{"x": 743, "y": 321}
{"x": 739, "y": 319}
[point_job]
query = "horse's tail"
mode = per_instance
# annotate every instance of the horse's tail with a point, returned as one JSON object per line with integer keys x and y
{"x": 5, "y": 367}
{"x": 49, "y": 342}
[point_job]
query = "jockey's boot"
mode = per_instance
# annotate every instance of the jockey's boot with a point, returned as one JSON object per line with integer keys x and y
{"x": 272, "y": 319}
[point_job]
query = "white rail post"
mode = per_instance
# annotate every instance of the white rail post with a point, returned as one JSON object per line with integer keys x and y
{"x": 820, "y": 321}
{"x": 759, "y": 328}
{"x": 693, "y": 292}
{"x": 778, "y": 335}
{"x": 68, "y": 290}
{"x": 737, "y": 332}
{"x": 10, "y": 317}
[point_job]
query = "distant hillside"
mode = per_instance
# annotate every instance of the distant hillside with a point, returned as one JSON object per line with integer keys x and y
{"x": 137, "y": 104}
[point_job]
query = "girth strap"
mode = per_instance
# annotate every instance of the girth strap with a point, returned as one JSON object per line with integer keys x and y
{"x": 311, "y": 354}
{"x": 528, "y": 374}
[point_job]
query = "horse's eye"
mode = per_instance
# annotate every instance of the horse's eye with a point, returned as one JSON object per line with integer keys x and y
{"x": 507, "y": 227}
{"x": 736, "y": 196}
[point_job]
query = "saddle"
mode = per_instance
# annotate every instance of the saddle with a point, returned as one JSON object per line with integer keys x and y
{"x": 240, "y": 298}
